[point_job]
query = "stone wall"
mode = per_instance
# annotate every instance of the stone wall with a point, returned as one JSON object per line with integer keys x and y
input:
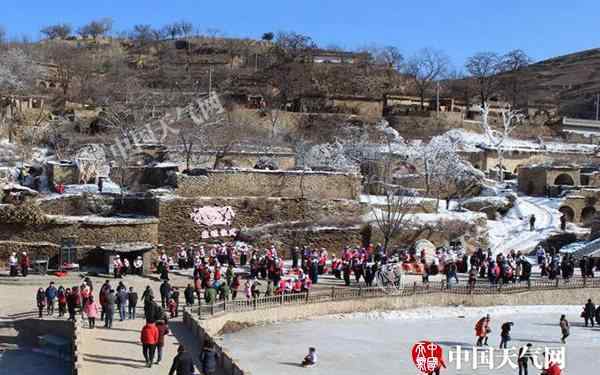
{"x": 45, "y": 239}
{"x": 97, "y": 204}
{"x": 255, "y": 183}
{"x": 177, "y": 226}
{"x": 247, "y": 160}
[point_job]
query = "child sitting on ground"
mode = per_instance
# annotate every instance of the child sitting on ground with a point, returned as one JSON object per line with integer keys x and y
{"x": 311, "y": 358}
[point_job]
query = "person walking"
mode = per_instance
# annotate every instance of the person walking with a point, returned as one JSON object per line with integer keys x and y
{"x": 482, "y": 329}
{"x": 149, "y": 339}
{"x": 40, "y": 299}
{"x": 523, "y": 358}
{"x": 51, "y": 293}
{"x": 183, "y": 363}
{"x": 163, "y": 330}
{"x": 61, "y": 297}
{"x": 532, "y": 223}
{"x": 189, "y": 295}
{"x": 505, "y": 334}
{"x": 589, "y": 311}
{"x": 165, "y": 293}
{"x": 91, "y": 311}
{"x": 122, "y": 298}
{"x": 564, "y": 328}
{"x": 111, "y": 299}
{"x": 209, "y": 359}
{"x": 132, "y": 300}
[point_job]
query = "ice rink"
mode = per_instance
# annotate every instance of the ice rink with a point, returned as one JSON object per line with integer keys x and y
{"x": 380, "y": 343}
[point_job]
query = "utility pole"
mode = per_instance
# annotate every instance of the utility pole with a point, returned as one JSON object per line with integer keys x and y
{"x": 437, "y": 100}
{"x": 597, "y": 106}
{"x": 210, "y": 69}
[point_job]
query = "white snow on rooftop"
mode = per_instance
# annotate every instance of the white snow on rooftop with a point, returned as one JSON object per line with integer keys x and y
{"x": 473, "y": 142}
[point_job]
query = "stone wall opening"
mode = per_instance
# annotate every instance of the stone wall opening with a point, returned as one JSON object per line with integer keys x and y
{"x": 587, "y": 214}
{"x": 564, "y": 179}
{"x": 568, "y": 212}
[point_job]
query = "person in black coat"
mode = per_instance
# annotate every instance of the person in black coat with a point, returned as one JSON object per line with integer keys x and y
{"x": 189, "y": 295}
{"x": 209, "y": 359}
{"x": 182, "y": 363}
{"x": 589, "y": 310}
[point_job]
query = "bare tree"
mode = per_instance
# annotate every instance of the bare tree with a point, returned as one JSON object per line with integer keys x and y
{"x": 391, "y": 216}
{"x": 290, "y": 45}
{"x": 2, "y": 35}
{"x": 484, "y": 67}
{"x": 512, "y": 83}
{"x": 144, "y": 34}
{"x": 58, "y": 31}
{"x": 426, "y": 67}
{"x": 17, "y": 75}
{"x": 180, "y": 28}
{"x": 497, "y": 139}
{"x": 96, "y": 28}
{"x": 186, "y": 28}
{"x": 389, "y": 56}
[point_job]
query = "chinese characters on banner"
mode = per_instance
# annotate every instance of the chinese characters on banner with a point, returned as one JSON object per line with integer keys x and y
{"x": 211, "y": 217}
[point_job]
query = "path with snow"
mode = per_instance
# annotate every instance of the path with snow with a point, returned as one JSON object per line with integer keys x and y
{"x": 512, "y": 231}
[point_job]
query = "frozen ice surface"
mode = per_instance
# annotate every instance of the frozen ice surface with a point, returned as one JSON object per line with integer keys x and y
{"x": 380, "y": 343}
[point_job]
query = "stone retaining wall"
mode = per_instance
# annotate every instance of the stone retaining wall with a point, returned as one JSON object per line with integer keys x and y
{"x": 258, "y": 183}
{"x": 177, "y": 226}
{"x": 228, "y": 365}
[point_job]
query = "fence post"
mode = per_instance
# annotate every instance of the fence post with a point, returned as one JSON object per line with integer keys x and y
{"x": 332, "y": 293}
{"x": 414, "y": 287}
{"x": 225, "y": 304}
{"x": 556, "y": 284}
{"x": 585, "y": 282}
{"x": 212, "y": 309}
{"x": 360, "y": 290}
{"x": 199, "y": 309}
{"x": 282, "y": 295}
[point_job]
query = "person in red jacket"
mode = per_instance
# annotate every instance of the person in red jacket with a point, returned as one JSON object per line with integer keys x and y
{"x": 553, "y": 369}
{"x": 149, "y": 338}
{"x": 163, "y": 330}
{"x": 25, "y": 264}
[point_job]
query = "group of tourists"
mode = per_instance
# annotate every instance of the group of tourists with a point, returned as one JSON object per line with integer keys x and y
{"x": 80, "y": 300}
{"x": 525, "y": 355}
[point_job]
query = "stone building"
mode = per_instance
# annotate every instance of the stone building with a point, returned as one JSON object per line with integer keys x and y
{"x": 542, "y": 180}
{"x": 581, "y": 206}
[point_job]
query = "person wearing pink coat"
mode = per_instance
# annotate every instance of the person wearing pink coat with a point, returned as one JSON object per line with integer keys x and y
{"x": 91, "y": 310}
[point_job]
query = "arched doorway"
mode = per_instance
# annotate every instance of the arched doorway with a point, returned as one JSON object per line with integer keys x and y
{"x": 587, "y": 214}
{"x": 568, "y": 212}
{"x": 564, "y": 179}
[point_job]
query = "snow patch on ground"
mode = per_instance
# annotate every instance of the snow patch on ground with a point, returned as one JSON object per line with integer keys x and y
{"x": 434, "y": 313}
